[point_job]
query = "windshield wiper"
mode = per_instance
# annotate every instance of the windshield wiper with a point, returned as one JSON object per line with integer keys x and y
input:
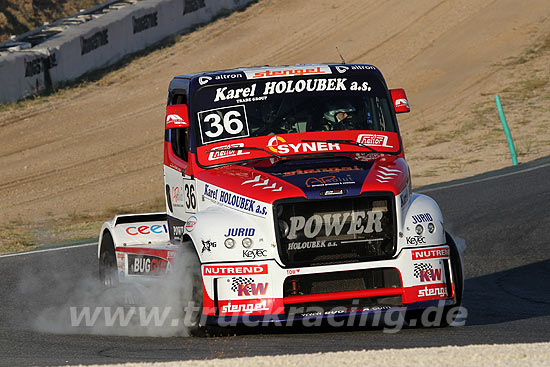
{"x": 232, "y": 149}
{"x": 350, "y": 142}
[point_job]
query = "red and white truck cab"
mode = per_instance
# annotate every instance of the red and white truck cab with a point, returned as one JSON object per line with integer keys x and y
{"x": 289, "y": 187}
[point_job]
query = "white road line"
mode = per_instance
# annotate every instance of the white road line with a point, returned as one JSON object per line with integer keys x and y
{"x": 48, "y": 250}
{"x": 484, "y": 179}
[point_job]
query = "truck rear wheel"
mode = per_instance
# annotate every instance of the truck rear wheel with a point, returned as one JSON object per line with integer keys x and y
{"x": 108, "y": 273}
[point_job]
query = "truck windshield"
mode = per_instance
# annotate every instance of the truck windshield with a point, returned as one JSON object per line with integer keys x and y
{"x": 291, "y": 105}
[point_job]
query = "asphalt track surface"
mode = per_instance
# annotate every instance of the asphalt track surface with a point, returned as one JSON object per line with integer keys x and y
{"x": 502, "y": 215}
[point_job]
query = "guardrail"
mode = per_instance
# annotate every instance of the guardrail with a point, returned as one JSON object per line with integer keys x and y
{"x": 99, "y": 37}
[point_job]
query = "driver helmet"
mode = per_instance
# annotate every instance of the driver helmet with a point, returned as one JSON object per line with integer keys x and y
{"x": 331, "y": 115}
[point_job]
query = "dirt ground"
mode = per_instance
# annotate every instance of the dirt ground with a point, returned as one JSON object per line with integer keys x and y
{"x": 73, "y": 159}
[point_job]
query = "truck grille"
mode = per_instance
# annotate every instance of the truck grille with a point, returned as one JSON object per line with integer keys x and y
{"x": 342, "y": 281}
{"x": 336, "y": 231}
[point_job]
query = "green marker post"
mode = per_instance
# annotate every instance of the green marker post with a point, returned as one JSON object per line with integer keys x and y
{"x": 506, "y": 131}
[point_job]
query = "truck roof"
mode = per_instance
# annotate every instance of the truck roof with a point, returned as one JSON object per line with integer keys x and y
{"x": 244, "y": 73}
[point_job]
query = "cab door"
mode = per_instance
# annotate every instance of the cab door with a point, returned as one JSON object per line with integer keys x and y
{"x": 180, "y": 186}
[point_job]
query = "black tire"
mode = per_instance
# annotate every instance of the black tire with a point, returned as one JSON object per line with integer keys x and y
{"x": 458, "y": 280}
{"x": 108, "y": 272}
{"x": 458, "y": 277}
{"x": 191, "y": 288}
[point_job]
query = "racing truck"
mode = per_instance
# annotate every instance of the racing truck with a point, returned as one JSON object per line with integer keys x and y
{"x": 288, "y": 191}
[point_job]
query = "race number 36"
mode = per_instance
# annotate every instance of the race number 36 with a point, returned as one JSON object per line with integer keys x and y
{"x": 223, "y": 124}
{"x": 190, "y": 198}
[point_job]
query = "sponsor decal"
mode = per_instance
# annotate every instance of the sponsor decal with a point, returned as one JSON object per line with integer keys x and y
{"x": 329, "y": 181}
{"x": 427, "y": 292}
{"x": 424, "y": 292}
{"x": 251, "y": 99}
{"x": 247, "y": 287}
{"x": 40, "y": 64}
{"x": 416, "y": 240}
{"x": 237, "y": 281}
{"x": 204, "y": 79}
{"x": 421, "y": 218}
{"x": 363, "y": 87}
{"x": 146, "y": 229}
{"x": 219, "y": 153}
{"x": 207, "y": 246}
{"x": 278, "y": 144}
{"x": 310, "y": 244}
{"x": 374, "y": 140}
{"x": 363, "y": 67}
{"x": 234, "y": 201}
{"x": 210, "y": 192}
{"x": 147, "y": 265}
{"x": 174, "y": 119}
{"x": 273, "y": 143}
{"x": 342, "y": 69}
{"x": 307, "y": 85}
{"x": 246, "y": 94}
{"x": 225, "y": 93}
{"x": 145, "y": 22}
{"x": 287, "y": 71}
{"x": 435, "y": 253}
{"x": 367, "y": 157}
{"x": 386, "y": 174}
{"x": 292, "y": 271}
{"x": 254, "y": 253}
{"x": 227, "y": 76}
{"x": 240, "y": 232}
{"x": 235, "y": 270}
{"x": 426, "y": 272}
{"x": 319, "y": 170}
{"x": 335, "y": 223}
{"x": 191, "y": 6}
{"x": 96, "y": 40}
{"x": 190, "y": 224}
{"x": 178, "y": 231}
{"x": 333, "y": 192}
{"x": 245, "y": 307}
{"x": 401, "y": 102}
{"x": 342, "y": 311}
{"x": 176, "y": 193}
{"x": 264, "y": 184}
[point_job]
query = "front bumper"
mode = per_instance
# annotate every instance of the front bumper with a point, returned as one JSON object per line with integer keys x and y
{"x": 416, "y": 278}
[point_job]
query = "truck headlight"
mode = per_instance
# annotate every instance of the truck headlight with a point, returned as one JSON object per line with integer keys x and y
{"x": 247, "y": 242}
{"x": 229, "y": 243}
{"x": 419, "y": 229}
{"x": 431, "y": 227}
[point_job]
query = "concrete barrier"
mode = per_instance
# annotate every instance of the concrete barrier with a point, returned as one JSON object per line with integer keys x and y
{"x": 101, "y": 42}
{"x": 25, "y": 73}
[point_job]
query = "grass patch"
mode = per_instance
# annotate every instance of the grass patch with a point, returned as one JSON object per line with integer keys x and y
{"x": 439, "y": 138}
{"x": 456, "y": 166}
{"x": 427, "y": 173}
{"x": 524, "y": 147}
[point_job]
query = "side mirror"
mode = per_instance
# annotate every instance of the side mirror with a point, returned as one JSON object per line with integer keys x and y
{"x": 400, "y": 101}
{"x": 177, "y": 115}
